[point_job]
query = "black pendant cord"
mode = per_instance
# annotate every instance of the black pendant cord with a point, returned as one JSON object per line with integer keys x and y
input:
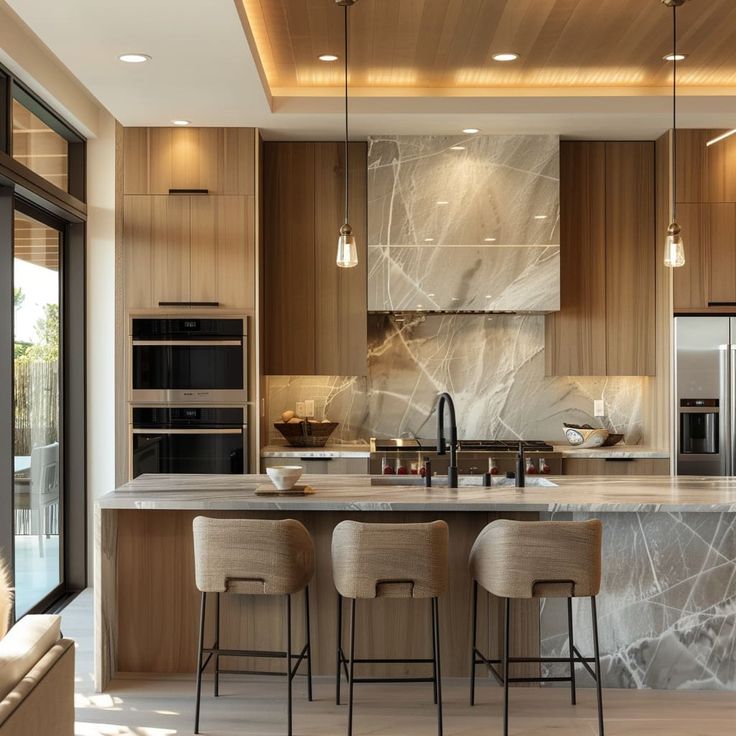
{"x": 347, "y": 167}
{"x": 674, "y": 113}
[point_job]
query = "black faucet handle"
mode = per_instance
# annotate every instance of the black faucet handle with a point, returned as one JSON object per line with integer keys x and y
{"x": 441, "y": 446}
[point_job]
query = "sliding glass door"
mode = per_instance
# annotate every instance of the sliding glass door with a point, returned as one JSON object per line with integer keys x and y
{"x": 37, "y": 421}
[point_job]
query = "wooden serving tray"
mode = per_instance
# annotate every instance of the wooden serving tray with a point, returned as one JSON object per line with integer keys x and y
{"x": 270, "y": 490}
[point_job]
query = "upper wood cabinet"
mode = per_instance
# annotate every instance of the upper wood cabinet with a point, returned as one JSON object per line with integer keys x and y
{"x": 158, "y": 160}
{"x": 606, "y": 324}
{"x": 315, "y": 314}
{"x": 705, "y": 173}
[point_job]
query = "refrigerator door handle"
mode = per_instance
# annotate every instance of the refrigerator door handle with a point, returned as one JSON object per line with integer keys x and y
{"x": 726, "y": 421}
{"x": 731, "y": 440}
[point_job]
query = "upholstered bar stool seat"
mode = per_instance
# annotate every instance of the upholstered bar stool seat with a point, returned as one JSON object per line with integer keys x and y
{"x": 538, "y": 559}
{"x": 389, "y": 561}
{"x": 252, "y": 557}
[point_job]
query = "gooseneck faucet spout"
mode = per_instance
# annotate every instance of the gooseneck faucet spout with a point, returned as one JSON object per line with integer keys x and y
{"x": 445, "y": 400}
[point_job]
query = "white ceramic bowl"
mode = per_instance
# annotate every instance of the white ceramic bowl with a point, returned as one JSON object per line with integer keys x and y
{"x": 284, "y": 477}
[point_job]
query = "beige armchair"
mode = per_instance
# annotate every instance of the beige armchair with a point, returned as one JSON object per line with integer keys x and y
{"x": 36, "y": 679}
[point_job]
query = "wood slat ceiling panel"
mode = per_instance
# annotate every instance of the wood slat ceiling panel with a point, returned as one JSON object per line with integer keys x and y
{"x": 449, "y": 43}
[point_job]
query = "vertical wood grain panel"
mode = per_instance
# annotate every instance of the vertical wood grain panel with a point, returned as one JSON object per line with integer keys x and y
{"x": 720, "y": 222}
{"x": 289, "y": 255}
{"x": 691, "y": 281}
{"x": 237, "y": 156}
{"x": 630, "y": 274}
{"x": 170, "y": 245}
{"x": 692, "y": 165}
{"x": 137, "y": 251}
{"x": 159, "y": 160}
{"x": 135, "y": 161}
{"x": 341, "y": 339}
{"x": 720, "y": 169}
{"x": 204, "y": 248}
{"x": 576, "y": 335}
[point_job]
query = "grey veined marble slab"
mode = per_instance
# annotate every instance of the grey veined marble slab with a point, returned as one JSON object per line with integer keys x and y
{"x": 463, "y": 223}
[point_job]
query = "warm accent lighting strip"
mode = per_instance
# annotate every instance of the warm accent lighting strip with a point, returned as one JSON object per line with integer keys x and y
{"x": 721, "y": 137}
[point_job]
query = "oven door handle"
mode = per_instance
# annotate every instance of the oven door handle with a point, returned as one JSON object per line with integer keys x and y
{"x": 187, "y": 343}
{"x": 235, "y": 430}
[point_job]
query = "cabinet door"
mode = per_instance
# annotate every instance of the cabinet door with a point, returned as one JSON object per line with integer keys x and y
{"x": 721, "y": 240}
{"x": 171, "y": 251}
{"x": 222, "y": 248}
{"x": 613, "y": 466}
{"x": 630, "y": 252}
{"x": 348, "y": 466}
{"x": 137, "y": 252}
{"x": 575, "y": 342}
{"x": 341, "y": 339}
{"x": 690, "y": 283}
{"x": 289, "y": 255}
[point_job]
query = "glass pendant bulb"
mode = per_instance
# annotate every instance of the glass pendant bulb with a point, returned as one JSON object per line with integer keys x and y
{"x": 347, "y": 250}
{"x": 674, "y": 248}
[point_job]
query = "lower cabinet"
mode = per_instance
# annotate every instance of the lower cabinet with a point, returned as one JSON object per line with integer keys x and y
{"x": 615, "y": 466}
{"x": 321, "y": 465}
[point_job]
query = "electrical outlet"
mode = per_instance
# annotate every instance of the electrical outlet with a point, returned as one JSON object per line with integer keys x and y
{"x": 599, "y": 408}
{"x": 309, "y": 407}
{"x": 301, "y": 409}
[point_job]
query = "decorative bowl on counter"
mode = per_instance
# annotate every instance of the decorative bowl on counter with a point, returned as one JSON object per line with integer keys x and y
{"x": 284, "y": 477}
{"x": 585, "y": 436}
{"x": 305, "y": 433}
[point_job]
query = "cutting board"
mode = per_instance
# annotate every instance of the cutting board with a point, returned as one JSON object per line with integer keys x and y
{"x": 269, "y": 490}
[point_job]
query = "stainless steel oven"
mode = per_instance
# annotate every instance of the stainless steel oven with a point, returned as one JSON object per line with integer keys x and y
{"x": 188, "y": 360}
{"x": 188, "y": 439}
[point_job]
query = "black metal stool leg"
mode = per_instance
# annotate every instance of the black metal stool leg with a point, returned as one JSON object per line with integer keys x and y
{"x": 506, "y": 625}
{"x": 352, "y": 667}
{"x": 288, "y": 662}
{"x": 438, "y": 669}
{"x": 571, "y": 641}
{"x": 434, "y": 654}
{"x": 597, "y": 665}
{"x": 199, "y": 662}
{"x": 217, "y": 645}
{"x": 339, "y": 649}
{"x": 309, "y": 645}
{"x": 475, "y": 641}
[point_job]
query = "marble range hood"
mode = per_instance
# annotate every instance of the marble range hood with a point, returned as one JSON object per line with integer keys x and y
{"x": 463, "y": 224}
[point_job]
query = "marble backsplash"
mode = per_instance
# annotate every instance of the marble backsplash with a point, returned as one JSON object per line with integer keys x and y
{"x": 493, "y": 365}
{"x": 463, "y": 223}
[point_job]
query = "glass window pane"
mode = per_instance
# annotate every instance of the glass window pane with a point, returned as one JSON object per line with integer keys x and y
{"x": 40, "y": 148}
{"x": 36, "y": 412}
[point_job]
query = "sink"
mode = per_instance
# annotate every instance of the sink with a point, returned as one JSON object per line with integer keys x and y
{"x": 464, "y": 481}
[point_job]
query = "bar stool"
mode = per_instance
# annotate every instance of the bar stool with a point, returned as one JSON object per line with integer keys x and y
{"x": 537, "y": 559}
{"x": 389, "y": 561}
{"x": 252, "y": 557}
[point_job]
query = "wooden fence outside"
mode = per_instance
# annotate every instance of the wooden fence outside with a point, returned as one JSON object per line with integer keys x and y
{"x": 36, "y": 402}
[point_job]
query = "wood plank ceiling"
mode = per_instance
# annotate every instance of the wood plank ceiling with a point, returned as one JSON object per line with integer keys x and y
{"x": 446, "y": 45}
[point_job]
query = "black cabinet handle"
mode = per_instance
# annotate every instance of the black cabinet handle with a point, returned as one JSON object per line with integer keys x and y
{"x": 307, "y": 459}
{"x": 722, "y": 304}
{"x": 189, "y": 191}
{"x": 619, "y": 459}
{"x": 189, "y": 304}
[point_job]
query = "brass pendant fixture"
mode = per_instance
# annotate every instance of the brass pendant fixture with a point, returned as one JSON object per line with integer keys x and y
{"x": 674, "y": 248}
{"x": 347, "y": 250}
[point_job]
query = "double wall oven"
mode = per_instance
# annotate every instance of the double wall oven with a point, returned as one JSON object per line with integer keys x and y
{"x": 188, "y": 395}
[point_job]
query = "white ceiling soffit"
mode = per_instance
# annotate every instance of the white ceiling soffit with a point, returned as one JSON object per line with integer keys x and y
{"x": 202, "y": 70}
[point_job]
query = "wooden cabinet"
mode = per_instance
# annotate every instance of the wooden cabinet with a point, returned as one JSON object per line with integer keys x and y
{"x": 615, "y": 466}
{"x": 219, "y": 160}
{"x": 720, "y": 220}
{"x": 705, "y": 173}
{"x": 315, "y": 314}
{"x": 321, "y": 465}
{"x": 606, "y": 323}
{"x": 690, "y": 283}
{"x": 188, "y": 249}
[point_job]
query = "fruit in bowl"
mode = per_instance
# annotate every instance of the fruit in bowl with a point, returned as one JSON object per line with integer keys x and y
{"x": 284, "y": 477}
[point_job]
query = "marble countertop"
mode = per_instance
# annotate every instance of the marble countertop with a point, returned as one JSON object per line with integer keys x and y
{"x": 623, "y": 452}
{"x": 361, "y": 450}
{"x": 355, "y": 493}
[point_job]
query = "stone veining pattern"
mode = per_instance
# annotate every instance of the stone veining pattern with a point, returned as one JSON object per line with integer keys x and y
{"x": 492, "y": 364}
{"x": 463, "y": 224}
{"x": 667, "y": 608}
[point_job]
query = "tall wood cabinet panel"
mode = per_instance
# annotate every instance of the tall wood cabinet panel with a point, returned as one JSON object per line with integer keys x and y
{"x": 137, "y": 218}
{"x": 575, "y": 342}
{"x": 690, "y": 282}
{"x": 705, "y": 173}
{"x": 315, "y": 314}
{"x": 630, "y": 274}
{"x": 721, "y": 239}
{"x": 170, "y": 249}
{"x": 220, "y": 160}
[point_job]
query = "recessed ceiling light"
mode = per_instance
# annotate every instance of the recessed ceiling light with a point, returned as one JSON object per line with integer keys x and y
{"x": 457, "y": 148}
{"x": 490, "y": 240}
{"x": 540, "y": 217}
{"x": 328, "y": 57}
{"x": 471, "y": 131}
{"x": 506, "y": 56}
{"x": 675, "y": 57}
{"x": 180, "y": 122}
{"x": 442, "y": 201}
{"x": 134, "y": 58}
{"x": 429, "y": 240}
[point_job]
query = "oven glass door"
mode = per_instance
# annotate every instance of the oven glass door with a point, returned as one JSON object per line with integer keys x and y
{"x": 217, "y": 451}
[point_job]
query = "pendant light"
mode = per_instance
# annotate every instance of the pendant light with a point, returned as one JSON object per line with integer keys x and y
{"x": 347, "y": 250}
{"x": 674, "y": 248}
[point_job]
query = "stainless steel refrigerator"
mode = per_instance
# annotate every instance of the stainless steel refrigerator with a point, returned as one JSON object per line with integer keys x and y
{"x": 705, "y": 380}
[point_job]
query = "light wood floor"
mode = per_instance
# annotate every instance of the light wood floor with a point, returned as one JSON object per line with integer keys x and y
{"x": 164, "y": 707}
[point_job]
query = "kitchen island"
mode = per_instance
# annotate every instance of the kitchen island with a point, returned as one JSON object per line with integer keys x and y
{"x": 667, "y": 608}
